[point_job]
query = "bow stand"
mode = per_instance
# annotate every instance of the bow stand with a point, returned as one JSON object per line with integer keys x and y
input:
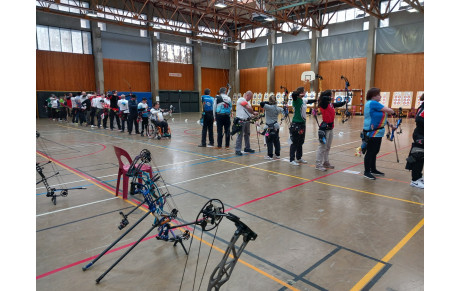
{"x": 39, "y": 167}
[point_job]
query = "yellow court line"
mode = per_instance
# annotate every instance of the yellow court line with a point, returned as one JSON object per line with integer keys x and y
{"x": 370, "y": 193}
{"x": 374, "y": 271}
{"x": 205, "y": 242}
{"x": 269, "y": 171}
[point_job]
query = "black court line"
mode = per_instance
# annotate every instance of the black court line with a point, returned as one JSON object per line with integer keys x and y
{"x": 291, "y": 229}
{"x": 304, "y": 273}
{"x": 377, "y": 277}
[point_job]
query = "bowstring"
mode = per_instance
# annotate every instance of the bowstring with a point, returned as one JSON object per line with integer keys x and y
{"x": 186, "y": 260}
{"x": 209, "y": 254}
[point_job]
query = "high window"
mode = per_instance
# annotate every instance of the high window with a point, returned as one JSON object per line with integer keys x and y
{"x": 63, "y": 40}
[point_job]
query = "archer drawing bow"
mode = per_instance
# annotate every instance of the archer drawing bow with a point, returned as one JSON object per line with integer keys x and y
{"x": 39, "y": 167}
{"x": 346, "y": 115}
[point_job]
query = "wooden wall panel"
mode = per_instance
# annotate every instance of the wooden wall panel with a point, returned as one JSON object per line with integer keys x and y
{"x": 289, "y": 76}
{"x": 353, "y": 69}
{"x": 254, "y": 80}
{"x": 118, "y": 73}
{"x": 184, "y": 82}
{"x": 56, "y": 71}
{"x": 400, "y": 72}
{"x": 214, "y": 79}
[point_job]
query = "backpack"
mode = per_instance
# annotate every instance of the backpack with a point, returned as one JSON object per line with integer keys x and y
{"x": 222, "y": 107}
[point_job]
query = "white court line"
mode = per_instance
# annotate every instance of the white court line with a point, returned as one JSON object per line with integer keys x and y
{"x": 78, "y": 206}
{"x": 117, "y": 174}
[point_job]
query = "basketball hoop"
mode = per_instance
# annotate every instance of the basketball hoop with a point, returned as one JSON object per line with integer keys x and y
{"x": 307, "y": 76}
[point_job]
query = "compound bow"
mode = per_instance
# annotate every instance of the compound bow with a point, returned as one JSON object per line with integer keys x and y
{"x": 155, "y": 200}
{"x": 346, "y": 115}
{"x": 51, "y": 191}
{"x": 394, "y": 129}
{"x": 209, "y": 218}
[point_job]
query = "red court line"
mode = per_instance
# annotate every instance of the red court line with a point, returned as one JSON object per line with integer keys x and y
{"x": 103, "y": 148}
{"x": 228, "y": 209}
{"x": 186, "y": 132}
{"x": 89, "y": 259}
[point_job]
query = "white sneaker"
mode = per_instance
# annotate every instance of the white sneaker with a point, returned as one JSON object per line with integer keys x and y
{"x": 301, "y": 161}
{"x": 268, "y": 158}
{"x": 417, "y": 184}
{"x": 421, "y": 179}
{"x": 277, "y": 158}
{"x": 294, "y": 163}
{"x": 93, "y": 126}
{"x": 320, "y": 168}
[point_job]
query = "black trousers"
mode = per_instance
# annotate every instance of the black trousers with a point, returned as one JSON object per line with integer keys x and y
{"x": 373, "y": 148}
{"x": 133, "y": 119}
{"x": 298, "y": 138}
{"x": 208, "y": 122}
{"x": 113, "y": 114}
{"x": 273, "y": 140}
{"x": 82, "y": 116}
{"x": 123, "y": 120}
{"x": 223, "y": 122}
{"x": 145, "y": 124}
{"x": 75, "y": 115}
{"x": 93, "y": 114}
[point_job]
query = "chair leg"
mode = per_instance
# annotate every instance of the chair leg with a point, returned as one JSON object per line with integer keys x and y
{"x": 125, "y": 186}
{"x": 118, "y": 182}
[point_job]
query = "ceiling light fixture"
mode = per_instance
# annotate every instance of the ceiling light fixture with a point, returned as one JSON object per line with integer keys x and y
{"x": 220, "y": 4}
{"x": 270, "y": 18}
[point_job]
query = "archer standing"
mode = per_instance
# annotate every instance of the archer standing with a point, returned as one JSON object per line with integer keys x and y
{"x": 297, "y": 129}
{"x": 132, "y": 117}
{"x": 244, "y": 112}
{"x": 222, "y": 109}
{"x": 208, "y": 119}
{"x": 272, "y": 128}
{"x": 375, "y": 116}
{"x": 113, "y": 113}
{"x": 142, "y": 108}
{"x": 124, "y": 111}
{"x": 416, "y": 154}
{"x": 328, "y": 114}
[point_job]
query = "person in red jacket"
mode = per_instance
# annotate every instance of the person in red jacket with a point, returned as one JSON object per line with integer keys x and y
{"x": 328, "y": 114}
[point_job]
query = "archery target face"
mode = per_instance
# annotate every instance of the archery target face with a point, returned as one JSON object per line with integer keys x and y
{"x": 385, "y": 98}
{"x": 417, "y": 100}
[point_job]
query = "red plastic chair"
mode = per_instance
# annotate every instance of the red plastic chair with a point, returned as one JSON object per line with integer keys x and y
{"x": 123, "y": 169}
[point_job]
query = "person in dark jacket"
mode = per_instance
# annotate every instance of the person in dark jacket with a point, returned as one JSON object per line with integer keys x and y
{"x": 416, "y": 154}
{"x": 132, "y": 117}
{"x": 114, "y": 110}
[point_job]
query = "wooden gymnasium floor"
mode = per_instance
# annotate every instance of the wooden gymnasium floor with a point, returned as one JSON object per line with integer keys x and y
{"x": 316, "y": 230}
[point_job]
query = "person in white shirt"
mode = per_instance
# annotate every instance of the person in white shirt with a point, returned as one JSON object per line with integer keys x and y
{"x": 105, "y": 110}
{"x": 74, "y": 109}
{"x": 124, "y": 111}
{"x": 158, "y": 116}
{"x": 244, "y": 112}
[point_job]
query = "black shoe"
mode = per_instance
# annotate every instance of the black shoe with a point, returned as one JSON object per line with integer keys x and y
{"x": 129, "y": 133}
{"x": 142, "y": 134}
{"x": 368, "y": 175}
{"x": 238, "y": 153}
{"x": 377, "y": 173}
{"x": 201, "y": 145}
{"x": 249, "y": 151}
